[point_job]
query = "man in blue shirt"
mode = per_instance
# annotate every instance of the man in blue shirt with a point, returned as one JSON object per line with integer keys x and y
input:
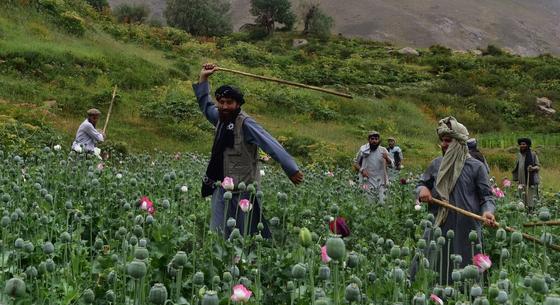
{"x": 235, "y": 154}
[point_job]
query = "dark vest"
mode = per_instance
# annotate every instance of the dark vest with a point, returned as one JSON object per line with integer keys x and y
{"x": 241, "y": 161}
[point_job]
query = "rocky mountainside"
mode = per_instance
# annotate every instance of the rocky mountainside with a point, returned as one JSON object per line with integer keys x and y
{"x": 522, "y": 27}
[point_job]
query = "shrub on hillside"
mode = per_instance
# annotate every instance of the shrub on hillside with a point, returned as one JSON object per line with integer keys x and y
{"x": 545, "y": 72}
{"x": 317, "y": 23}
{"x": 440, "y": 50}
{"x": 493, "y": 50}
{"x": 247, "y": 54}
{"x": 200, "y": 17}
{"x": 99, "y": 5}
{"x": 72, "y": 23}
{"x": 269, "y": 12}
{"x": 131, "y": 13}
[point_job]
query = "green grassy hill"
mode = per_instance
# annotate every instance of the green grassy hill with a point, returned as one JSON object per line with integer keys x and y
{"x": 60, "y": 57}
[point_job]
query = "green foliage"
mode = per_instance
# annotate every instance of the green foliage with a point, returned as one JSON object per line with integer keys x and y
{"x": 493, "y": 50}
{"x": 317, "y": 23}
{"x": 73, "y": 23}
{"x": 270, "y": 12}
{"x": 99, "y": 5}
{"x": 131, "y": 13}
{"x": 200, "y": 17}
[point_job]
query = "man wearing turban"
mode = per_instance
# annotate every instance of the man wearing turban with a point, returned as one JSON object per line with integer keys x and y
{"x": 234, "y": 155}
{"x": 526, "y": 172}
{"x": 463, "y": 181}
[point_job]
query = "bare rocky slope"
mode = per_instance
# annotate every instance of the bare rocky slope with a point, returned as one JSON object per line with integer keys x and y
{"x": 523, "y": 27}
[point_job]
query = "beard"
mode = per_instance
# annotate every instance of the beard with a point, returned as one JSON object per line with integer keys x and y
{"x": 228, "y": 115}
{"x": 373, "y": 147}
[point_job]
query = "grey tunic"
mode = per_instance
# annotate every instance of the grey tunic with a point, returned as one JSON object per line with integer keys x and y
{"x": 87, "y": 136}
{"x": 252, "y": 133}
{"x": 473, "y": 193}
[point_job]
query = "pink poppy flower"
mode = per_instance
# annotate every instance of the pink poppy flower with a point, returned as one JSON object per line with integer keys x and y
{"x": 227, "y": 184}
{"x": 100, "y": 166}
{"x": 324, "y": 257}
{"x": 436, "y": 299}
{"x": 245, "y": 205}
{"x": 329, "y": 174}
{"x": 506, "y": 183}
{"x": 365, "y": 187}
{"x": 341, "y": 227}
{"x": 240, "y": 293}
{"x": 482, "y": 261}
{"x": 147, "y": 205}
{"x": 497, "y": 192}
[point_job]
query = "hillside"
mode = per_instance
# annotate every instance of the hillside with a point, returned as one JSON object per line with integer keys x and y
{"x": 524, "y": 27}
{"x": 59, "y": 60}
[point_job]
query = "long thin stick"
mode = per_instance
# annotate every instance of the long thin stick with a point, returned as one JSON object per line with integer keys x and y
{"x": 110, "y": 108}
{"x": 286, "y": 82}
{"x": 543, "y": 223}
{"x": 480, "y": 218}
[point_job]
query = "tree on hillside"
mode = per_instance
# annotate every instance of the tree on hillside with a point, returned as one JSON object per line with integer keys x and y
{"x": 200, "y": 17}
{"x": 99, "y": 5}
{"x": 315, "y": 21}
{"x": 136, "y": 13}
{"x": 270, "y": 12}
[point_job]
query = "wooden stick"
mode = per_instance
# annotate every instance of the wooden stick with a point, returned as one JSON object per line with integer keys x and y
{"x": 286, "y": 82}
{"x": 110, "y": 109}
{"x": 480, "y": 218}
{"x": 543, "y": 223}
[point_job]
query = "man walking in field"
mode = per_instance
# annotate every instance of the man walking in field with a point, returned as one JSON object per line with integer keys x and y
{"x": 371, "y": 162}
{"x": 396, "y": 154}
{"x": 87, "y": 136}
{"x": 234, "y": 154}
{"x": 526, "y": 172}
{"x": 461, "y": 180}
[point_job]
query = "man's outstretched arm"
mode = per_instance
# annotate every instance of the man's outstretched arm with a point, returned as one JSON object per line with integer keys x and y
{"x": 202, "y": 92}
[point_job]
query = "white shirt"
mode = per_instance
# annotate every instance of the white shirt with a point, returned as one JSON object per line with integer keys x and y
{"x": 87, "y": 136}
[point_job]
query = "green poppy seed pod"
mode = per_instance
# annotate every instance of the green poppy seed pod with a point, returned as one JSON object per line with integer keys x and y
{"x": 448, "y": 292}
{"x": 231, "y": 222}
{"x": 425, "y": 262}
{"x": 324, "y": 273}
{"x": 319, "y": 294}
{"x": 141, "y": 253}
{"x": 15, "y": 288}
{"x": 409, "y": 223}
{"x": 251, "y": 188}
{"x": 334, "y": 209}
{"x": 259, "y": 195}
{"x": 471, "y": 272}
{"x": 352, "y": 293}
{"x": 274, "y": 221}
{"x": 538, "y": 284}
{"x": 143, "y": 242}
{"x": 380, "y": 241}
{"x": 336, "y": 249}
{"x": 456, "y": 275}
{"x": 227, "y": 277}
{"x": 501, "y": 235}
{"x": 493, "y": 291}
{"x": 139, "y": 220}
{"x": 235, "y": 234}
{"x": 473, "y": 236}
{"x": 28, "y": 246}
{"x": 322, "y": 301}
{"x": 395, "y": 252}
{"x": 136, "y": 269}
{"x": 290, "y": 286}
{"x": 180, "y": 259}
{"x": 110, "y": 296}
{"x": 122, "y": 232}
{"x": 371, "y": 277}
{"x": 476, "y": 291}
{"x": 150, "y": 219}
{"x": 296, "y": 230}
{"x": 31, "y": 272}
{"x": 516, "y": 237}
{"x": 552, "y": 299}
{"x": 305, "y": 237}
{"x": 18, "y": 244}
{"x": 165, "y": 204}
{"x": 441, "y": 241}
{"x": 42, "y": 268}
{"x": 298, "y": 271}
{"x": 527, "y": 281}
{"x": 389, "y": 243}
{"x": 111, "y": 277}
{"x": 398, "y": 275}
{"x": 227, "y": 195}
{"x": 65, "y": 237}
{"x": 133, "y": 240}
{"x": 98, "y": 244}
{"x": 458, "y": 259}
{"x": 5, "y": 221}
{"x": 50, "y": 265}
{"x": 544, "y": 214}
{"x": 483, "y": 301}
{"x": 198, "y": 278}
{"x": 450, "y": 234}
{"x": 48, "y": 248}
{"x": 356, "y": 280}
{"x": 419, "y": 299}
{"x": 353, "y": 260}
{"x": 433, "y": 245}
{"x": 502, "y": 297}
{"x": 504, "y": 254}
{"x": 405, "y": 251}
{"x": 158, "y": 294}
{"x": 242, "y": 186}
{"x": 138, "y": 231}
{"x": 421, "y": 244}
{"x": 216, "y": 280}
{"x": 503, "y": 275}
{"x": 438, "y": 291}
{"x": 88, "y": 296}
{"x": 546, "y": 238}
{"x": 234, "y": 271}
{"x": 437, "y": 232}
{"x": 49, "y": 198}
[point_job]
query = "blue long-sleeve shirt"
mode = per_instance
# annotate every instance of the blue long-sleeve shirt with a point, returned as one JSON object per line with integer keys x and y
{"x": 253, "y": 133}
